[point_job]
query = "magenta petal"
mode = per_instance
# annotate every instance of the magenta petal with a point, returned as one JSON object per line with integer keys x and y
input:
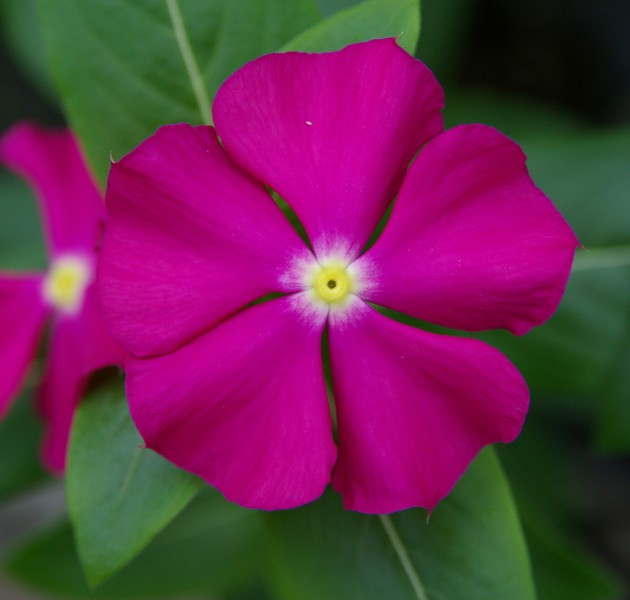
{"x": 22, "y": 317}
{"x": 243, "y": 406}
{"x": 331, "y": 133}
{"x": 414, "y": 408}
{"x": 79, "y": 345}
{"x": 62, "y": 385}
{"x": 190, "y": 239}
{"x": 471, "y": 242}
{"x": 98, "y": 348}
{"x": 50, "y": 160}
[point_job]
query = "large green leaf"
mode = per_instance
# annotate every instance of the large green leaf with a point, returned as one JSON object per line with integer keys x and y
{"x": 120, "y": 495}
{"x": 212, "y": 548}
{"x": 125, "y": 67}
{"x": 365, "y": 21}
{"x": 471, "y": 548}
{"x": 328, "y": 7}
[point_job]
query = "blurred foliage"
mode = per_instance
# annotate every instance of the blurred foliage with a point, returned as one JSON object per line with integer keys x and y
{"x": 20, "y": 433}
{"x": 213, "y": 547}
{"x": 22, "y": 34}
{"x": 547, "y": 475}
{"x": 21, "y": 238}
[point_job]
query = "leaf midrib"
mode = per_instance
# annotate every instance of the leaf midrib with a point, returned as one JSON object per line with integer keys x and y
{"x": 191, "y": 63}
{"x": 604, "y": 257}
{"x": 403, "y": 556}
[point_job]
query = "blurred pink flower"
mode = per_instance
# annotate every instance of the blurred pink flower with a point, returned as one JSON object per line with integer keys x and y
{"x": 73, "y": 214}
{"x": 235, "y": 391}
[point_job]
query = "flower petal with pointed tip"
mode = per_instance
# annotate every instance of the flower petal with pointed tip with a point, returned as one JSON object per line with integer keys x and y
{"x": 243, "y": 406}
{"x": 332, "y": 133}
{"x": 71, "y": 204}
{"x": 79, "y": 345}
{"x": 191, "y": 238}
{"x": 471, "y": 243}
{"x": 414, "y": 408}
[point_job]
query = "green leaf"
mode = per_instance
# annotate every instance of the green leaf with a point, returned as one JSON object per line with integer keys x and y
{"x": 368, "y": 20}
{"x": 212, "y": 547}
{"x": 472, "y": 548}
{"x": 21, "y": 249}
{"x": 120, "y": 495}
{"x": 20, "y": 433}
{"x": 124, "y": 67}
{"x": 550, "y": 476}
{"x": 22, "y": 33}
{"x": 329, "y": 7}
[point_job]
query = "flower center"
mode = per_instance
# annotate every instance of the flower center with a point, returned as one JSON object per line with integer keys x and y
{"x": 65, "y": 283}
{"x": 332, "y": 283}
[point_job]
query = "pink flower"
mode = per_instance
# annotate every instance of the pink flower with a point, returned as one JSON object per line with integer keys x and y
{"x": 235, "y": 391}
{"x": 73, "y": 212}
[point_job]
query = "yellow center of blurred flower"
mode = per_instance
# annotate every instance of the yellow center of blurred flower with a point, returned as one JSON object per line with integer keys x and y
{"x": 66, "y": 282}
{"x": 332, "y": 283}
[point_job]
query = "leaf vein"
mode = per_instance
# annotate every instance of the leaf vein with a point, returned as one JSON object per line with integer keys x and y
{"x": 603, "y": 258}
{"x": 188, "y": 56}
{"x": 403, "y": 556}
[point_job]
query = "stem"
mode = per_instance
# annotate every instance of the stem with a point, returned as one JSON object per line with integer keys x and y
{"x": 403, "y": 556}
{"x": 196, "y": 79}
{"x": 602, "y": 258}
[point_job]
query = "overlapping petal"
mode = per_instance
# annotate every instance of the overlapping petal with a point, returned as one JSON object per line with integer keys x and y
{"x": 191, "y": 239}
{"x": 243, "y": 406}
{"x": 413, "y": 409}
{"x": 331, "y": 133}
{"x": 471, "y": 242}
{"x": 50, "y": 160}
{"x": 79, "y": 345}
{"x": 60, "y": 391}
{"x": 99, "y": 349}
{"x": 22, "y": 318}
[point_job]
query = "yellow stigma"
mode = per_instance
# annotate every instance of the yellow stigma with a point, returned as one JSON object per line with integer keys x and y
{"x": 332, "y": 283}
{"x": 65, "y": 283}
